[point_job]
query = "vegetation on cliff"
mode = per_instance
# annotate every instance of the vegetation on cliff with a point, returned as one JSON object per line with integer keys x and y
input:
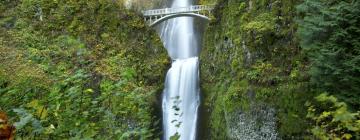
{"x": 91, "y": 69}
{"x": 79, "y": 70}
{"x": 281, "y": 54}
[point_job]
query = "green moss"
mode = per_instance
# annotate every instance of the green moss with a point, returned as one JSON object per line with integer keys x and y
{"x": 275, "y": 73}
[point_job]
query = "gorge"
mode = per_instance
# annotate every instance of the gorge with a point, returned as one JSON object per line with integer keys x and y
{"x": 96, "y": 69}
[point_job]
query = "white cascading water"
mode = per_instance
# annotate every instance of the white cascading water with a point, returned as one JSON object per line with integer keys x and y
{"x": 181, "y": 97}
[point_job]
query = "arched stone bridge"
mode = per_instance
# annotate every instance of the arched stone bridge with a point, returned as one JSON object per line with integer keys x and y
{"x": 156, "y": 16}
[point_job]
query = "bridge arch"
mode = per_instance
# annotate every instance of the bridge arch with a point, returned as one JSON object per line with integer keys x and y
{"x": 156, "y": 16}
{"x": 164, "y": 18}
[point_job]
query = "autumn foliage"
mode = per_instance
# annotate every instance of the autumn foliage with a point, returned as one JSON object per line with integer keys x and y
{"x": 7, "y": 131}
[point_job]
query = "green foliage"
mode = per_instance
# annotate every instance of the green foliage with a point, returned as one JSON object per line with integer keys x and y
{"x": 329, "y": 33}
{"x": 263, "y": 73}
{"x": 28, "y": 121}
{"x": 252, "y": 57}
{"x": 140, "y": 5}
{"x": 235, "y": 96}
{"x": 225, "y": 99}
{"x": 217, "y": 120}
{"x": 79, "y": 70}
{"x": 332, "y": 119}
{"x": 260, "y": 28}
{"x": 208, "y": 2}
{"x": 175, "y": 137}
{"x": 255, "y": 41}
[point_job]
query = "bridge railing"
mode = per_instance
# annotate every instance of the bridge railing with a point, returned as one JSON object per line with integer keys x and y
{"x": 165, "y": 11}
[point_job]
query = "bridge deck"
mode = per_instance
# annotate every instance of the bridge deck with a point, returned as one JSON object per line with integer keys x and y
{"x": 167, "y": 11}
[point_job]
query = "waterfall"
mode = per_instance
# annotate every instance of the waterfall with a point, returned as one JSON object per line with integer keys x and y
{"x": 181, "y": 94}
{"x": 181, "y": 99}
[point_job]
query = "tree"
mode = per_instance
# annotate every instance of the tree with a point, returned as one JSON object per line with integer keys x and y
{"x": 330, "y": 34}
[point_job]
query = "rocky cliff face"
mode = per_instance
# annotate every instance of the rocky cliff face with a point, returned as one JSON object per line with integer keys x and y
{"x": 252, "y": 71}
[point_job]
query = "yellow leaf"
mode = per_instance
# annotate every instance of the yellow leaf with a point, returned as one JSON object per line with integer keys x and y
{"x": 33, "y": 104}
{"x": 89, "y": 91}
{"x": 347, "y": 136}
{"x": 42, "y": 112}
